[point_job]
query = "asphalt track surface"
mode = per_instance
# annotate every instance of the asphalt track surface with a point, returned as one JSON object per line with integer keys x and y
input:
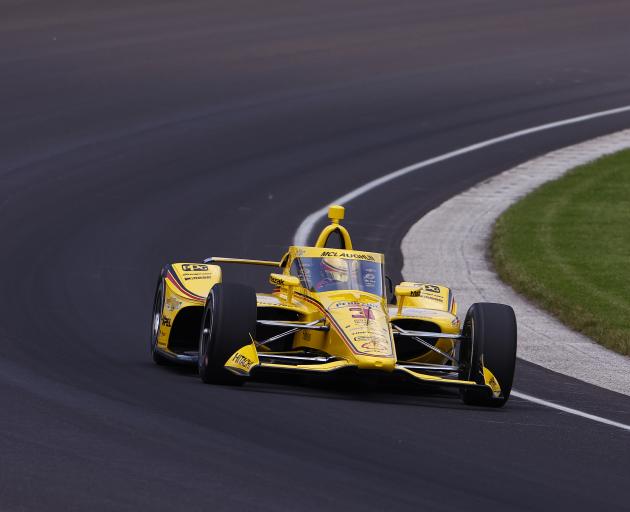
{"x": 138, "y": 133}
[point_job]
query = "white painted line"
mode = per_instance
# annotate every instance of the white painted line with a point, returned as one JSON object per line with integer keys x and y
{"x": 569, "y": 410}
{"x": 458, "y": 257}
{"x": 306, "y": 227}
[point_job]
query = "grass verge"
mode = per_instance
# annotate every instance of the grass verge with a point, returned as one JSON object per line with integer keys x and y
{"x": 566, "y": 246}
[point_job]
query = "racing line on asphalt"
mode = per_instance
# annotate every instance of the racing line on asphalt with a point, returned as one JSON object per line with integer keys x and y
{"x": 306, "y": 227}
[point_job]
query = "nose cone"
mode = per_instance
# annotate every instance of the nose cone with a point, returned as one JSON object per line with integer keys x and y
{"x": 384, "y": 364}
{"x": 364, "y": 324}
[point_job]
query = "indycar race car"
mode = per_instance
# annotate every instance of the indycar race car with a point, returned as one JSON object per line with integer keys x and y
{"x": 329, "y": 312}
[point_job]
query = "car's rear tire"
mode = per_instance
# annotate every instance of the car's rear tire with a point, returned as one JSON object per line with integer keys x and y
{"x": 229, "y": 319}
{"x": 492, "y": 331}
{"x": 156, "y": 321}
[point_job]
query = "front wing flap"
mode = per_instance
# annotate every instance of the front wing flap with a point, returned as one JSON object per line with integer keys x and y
{"x": 490, "y": 384}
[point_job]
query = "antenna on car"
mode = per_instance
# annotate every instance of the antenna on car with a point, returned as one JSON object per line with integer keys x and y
{"x": 336, "y": 213}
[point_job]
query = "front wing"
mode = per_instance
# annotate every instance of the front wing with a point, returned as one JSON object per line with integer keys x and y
{"x": 247, "y": 359}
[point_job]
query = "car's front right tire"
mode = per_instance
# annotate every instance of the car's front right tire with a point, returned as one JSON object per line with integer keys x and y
{"x": 228, "y": 323}
{"x": 156, "y": 320}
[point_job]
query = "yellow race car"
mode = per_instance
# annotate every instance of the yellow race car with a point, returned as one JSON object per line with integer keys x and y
{"x": 328, "y": 312}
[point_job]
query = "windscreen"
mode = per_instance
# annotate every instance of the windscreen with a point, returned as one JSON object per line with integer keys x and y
{"x": 328, "y": 274}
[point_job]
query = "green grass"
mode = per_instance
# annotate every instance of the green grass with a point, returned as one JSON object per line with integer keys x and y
{"x": 566, "y": 246}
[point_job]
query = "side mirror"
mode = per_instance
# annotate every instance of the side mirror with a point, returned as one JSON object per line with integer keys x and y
{"x": 284, "y": 281}
{"x": 406, "y": 291}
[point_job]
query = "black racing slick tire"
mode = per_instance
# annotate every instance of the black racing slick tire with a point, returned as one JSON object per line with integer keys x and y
{"x": 229, "y": 321}
{"x": 491, "y": 332}
{"x": 156, "y": 321}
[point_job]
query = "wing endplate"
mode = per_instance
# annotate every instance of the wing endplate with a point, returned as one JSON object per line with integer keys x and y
{"x": 244, "y": 360}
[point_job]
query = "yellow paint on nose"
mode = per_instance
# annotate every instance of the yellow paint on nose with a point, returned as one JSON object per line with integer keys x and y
{"x": 385, "y": 364}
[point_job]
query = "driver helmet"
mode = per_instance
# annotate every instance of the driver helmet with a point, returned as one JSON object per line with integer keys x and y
{"x": 337, "y": 269}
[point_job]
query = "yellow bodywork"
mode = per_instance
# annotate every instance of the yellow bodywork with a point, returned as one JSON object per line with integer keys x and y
{"x": 185, "y": 285}
{"x": 356, "y": 326}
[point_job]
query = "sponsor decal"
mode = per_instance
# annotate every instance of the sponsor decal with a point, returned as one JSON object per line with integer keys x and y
{"x": 424, "y": 290}
{"x": 377, "y": 339}
{"x": 276, "y": 281}
{"x": 435, "y": 299}
{"x": 191, "y": 278}
{"x": 194, "y": 267}
{"x": 491, "y": 381}
{"x": 370, "y": 332}
{"x": 243, "y": 361}
{"x": 369, "y": 278}
{"x": 363, "y": 331}
{"x": 344, "y": 304}
{"x": 368, "y": 329}
{"x": 305, "y": 274}
{"x": 172, "y": 304}
{"x": 374, "y": 343}
{"x": 427, "y": 287}
{"x": 166, "y": 321}
{"x": 363, "y": 311}
{"x": 348, "y": 255}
